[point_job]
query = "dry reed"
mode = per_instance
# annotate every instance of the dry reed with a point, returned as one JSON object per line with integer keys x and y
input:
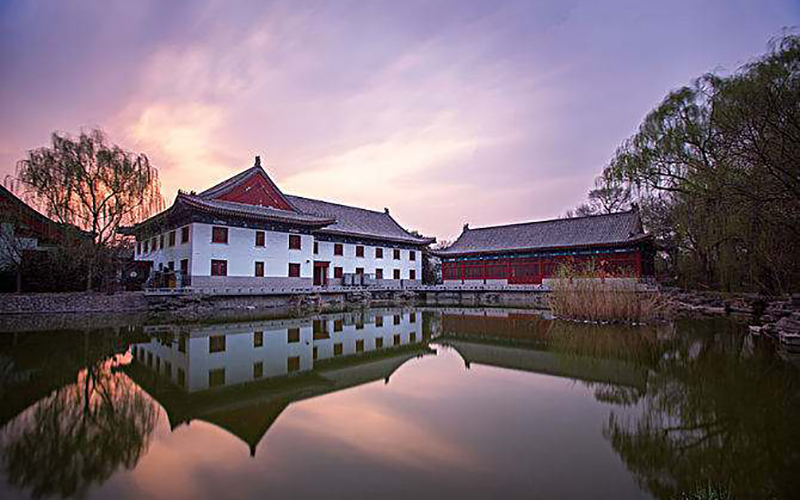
{"x": 587, "y": 294}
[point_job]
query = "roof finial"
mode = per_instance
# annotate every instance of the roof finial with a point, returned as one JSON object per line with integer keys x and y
{"x": 386, "y": 210}
{"x": 258, "y": 162}
{"x": 466, "y": 226}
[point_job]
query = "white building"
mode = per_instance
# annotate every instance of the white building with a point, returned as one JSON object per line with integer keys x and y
{"x": 245, "y": 232}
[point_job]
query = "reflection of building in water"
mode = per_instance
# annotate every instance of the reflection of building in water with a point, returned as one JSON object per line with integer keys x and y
{"x": 527, "y": 341}
{"x": 264, "y": 366}
{"x": 203, "y": 357}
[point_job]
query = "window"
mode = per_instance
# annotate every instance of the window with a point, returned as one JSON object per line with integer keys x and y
{"x": 396, "y": 339}
{"x": 259, "y": 269}
{"x": 338, "y": 325}
{"x": 338, "y": 249}
{"x": 258, "y": 369}
{"x": 219, "y": 267}
{"x": 182, "y": 344}
{"x": 397, "y": 318}
{"x": 294, "y": 270}
{"x": 396, "y": 274}
{"x": 154, "y": 244}
{"x": 184, "y": 266}
{"x": 139, "y": 247}
{"x": 150, "y": 359}
{"x": 171, "y": 265}
{"x": 412, "y": 274}
{"x": 412, "y": 255}
{"x": 316, "y": 247}
{"x": 185, "y": 234}
{"x": 378, "y": 321}
{"x": 258, "y": 339}
{"x": 396, "y": 254}
{"x": 293, "y": 335}
{"x": 216, "y": 377}
{"x": 293, "y": 364}
{"x": 147, "y": 246}
{"x": 261, "y": 239}
{"x": 216, "y": 343}
{"x": 360, "y": 324}
{"x": 294, "y": 242}
{"x": 161, "y": 241}
{"x": 360, "y": 345}
{"x": 379, "y": 253}
{"x": 219, "y": 234}
{"x": 379, "y": 343}
{"x": 412, "y": 337}
{"x": 359, "y": 270}
{"x": 338, "y": 349}
{"x": 172, "y": 238}
{"x": 181, "y": 378}
{"x": 338, "y": 272}
{"x": 412, "y": 318}
{"x": 320, "y": 329}
{"x": 379, "y": 274}
{"x": 168, "y": 369}
{"x": 315, "y": 352}
{"x": 359, "y": 250}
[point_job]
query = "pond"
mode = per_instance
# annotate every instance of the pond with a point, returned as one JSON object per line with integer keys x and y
{"x": 397, "y": 403}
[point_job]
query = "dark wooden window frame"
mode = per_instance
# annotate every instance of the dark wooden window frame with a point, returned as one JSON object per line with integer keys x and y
{"x": 219, "y": 235}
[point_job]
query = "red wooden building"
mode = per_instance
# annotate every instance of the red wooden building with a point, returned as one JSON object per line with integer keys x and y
{"x": 529, "y": 252}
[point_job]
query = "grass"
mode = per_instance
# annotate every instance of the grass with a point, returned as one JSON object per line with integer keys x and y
{"x": 587, "y": 294}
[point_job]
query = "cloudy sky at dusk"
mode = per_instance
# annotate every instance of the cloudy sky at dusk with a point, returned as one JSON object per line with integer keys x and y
{"x": 484, "y": 112}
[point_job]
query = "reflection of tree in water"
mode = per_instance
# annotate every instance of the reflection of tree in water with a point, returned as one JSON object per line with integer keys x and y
{"x": 718, "y": 409}
{"x": 79, "y": 435}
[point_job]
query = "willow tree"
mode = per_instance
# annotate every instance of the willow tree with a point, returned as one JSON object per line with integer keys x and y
{"x": 86, "y": 182}
{"x": 719, "y": 160}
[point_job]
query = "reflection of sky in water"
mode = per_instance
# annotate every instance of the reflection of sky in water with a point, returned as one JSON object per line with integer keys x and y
{"x": 475, "y": 433}
{"x": 466, "y": 415}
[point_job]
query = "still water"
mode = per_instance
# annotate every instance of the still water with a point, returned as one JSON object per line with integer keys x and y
{"x": 397, "y": 403}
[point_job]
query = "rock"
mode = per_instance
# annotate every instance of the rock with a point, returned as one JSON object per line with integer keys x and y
{"x": 789, "y": 325}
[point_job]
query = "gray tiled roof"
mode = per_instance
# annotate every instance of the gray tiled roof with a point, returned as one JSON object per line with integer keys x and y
{"x": 607, "y": 229}
{"x": 254, "y": 211}
{"x": 356, "y": 221}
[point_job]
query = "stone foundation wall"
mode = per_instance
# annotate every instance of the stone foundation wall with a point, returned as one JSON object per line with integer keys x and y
{"x": 50, "y": 303}
{"x": 249, "y": 281}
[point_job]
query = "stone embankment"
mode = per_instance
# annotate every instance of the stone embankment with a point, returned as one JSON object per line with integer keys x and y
{"x": 777, "y": 317}
{"x": 19, "y": 312}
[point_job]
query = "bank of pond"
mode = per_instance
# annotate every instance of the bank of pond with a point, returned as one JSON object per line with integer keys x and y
{"x": 398, "y": 402}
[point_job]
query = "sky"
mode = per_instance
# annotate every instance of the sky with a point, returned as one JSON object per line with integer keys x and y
{"x": 447, "y": 112}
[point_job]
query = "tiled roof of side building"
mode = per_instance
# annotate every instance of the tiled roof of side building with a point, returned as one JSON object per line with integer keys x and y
{"x": 594, "y": 230}
{"x": 357, "y": 221}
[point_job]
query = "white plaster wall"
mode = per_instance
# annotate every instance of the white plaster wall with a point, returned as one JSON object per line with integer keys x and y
{"x": 349, "y": 262}
{"x": 163, "y": 256}
{"x": 242, "y": 253}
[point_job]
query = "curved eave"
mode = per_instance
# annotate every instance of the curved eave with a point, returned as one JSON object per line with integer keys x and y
{"x": 469, "y": 253}
{"x": 394, "y": 239}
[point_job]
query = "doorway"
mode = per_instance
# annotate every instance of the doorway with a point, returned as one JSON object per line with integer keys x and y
{"x": 321, "y": 273}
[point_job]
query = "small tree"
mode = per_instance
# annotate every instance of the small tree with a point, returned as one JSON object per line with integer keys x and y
{"x": 96, "y": 186}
